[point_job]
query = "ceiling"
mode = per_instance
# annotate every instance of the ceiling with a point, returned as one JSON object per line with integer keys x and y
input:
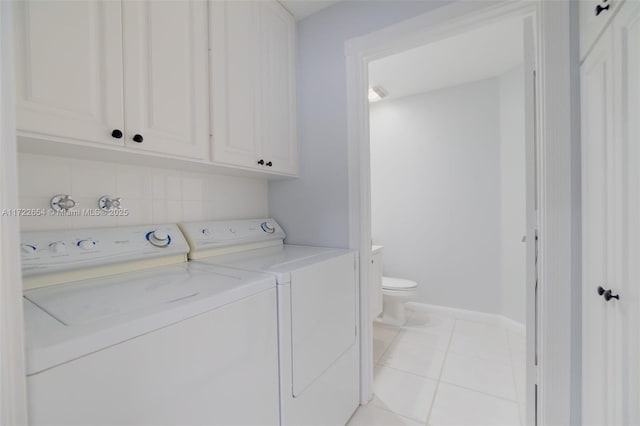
{"x": 475, "y": 55}
{"x": 300, "y": 9}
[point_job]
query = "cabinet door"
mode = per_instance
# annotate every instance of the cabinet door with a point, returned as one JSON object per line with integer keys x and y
{"x": 627, "y": 115}
{"x": 277, "y": 38}
{"x": 598, "y": 345}
{"x": 166, "y": 76}
{"x": 69, "y": 69}
{"x": 594, "y": 16}
{"x": 235, "y": 83}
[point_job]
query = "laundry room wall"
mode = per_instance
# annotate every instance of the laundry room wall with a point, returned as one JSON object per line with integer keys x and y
{"x": 435, "y": 193}
{"x": 150, "y": 195}
{"x": 314, "y": 208}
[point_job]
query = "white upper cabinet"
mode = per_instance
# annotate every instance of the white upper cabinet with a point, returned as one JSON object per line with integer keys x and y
{"x": 130, "y": 73}
{"x": 69, "y": 70}
{"x": 205, "y": 81}
{"x": 594, "y": 17}
{"x": 277, "y": 38}
{"x": 166, "y": 92}
{"x": 253, "y": 86}
{"x": 235, "y": 82}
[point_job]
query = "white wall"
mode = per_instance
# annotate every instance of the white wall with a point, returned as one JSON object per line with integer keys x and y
{"x": 151, "y": 195}
{"x": 513, "y": 194}
{"x": 313, "y": 209}
{"x": 448, "y": 193}
{"x": 435, "y": 180}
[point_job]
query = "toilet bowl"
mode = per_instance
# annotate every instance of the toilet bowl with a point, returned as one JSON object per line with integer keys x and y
{"x": 395, "y": 293}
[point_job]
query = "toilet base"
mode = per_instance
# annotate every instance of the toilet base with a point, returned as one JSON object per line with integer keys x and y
{"x": 393, "y": 310}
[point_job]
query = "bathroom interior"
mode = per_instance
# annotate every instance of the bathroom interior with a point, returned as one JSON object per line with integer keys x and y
{"x": 448, "y": 214}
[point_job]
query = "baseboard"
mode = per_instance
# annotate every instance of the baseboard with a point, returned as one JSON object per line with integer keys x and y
{"x": 457, "y": 313}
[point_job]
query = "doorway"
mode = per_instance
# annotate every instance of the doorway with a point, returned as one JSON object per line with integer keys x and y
{"x": 551, "y": 364}
{"x": 448, "y": 208}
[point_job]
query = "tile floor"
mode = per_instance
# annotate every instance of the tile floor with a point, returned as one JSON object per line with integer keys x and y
{"x": 438, "y": 370}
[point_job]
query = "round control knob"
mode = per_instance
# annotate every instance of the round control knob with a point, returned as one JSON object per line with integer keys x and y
{"x": 58, "y": 247}
{"x": 86, "y": 244}
{"x": 267, "y": 227}
{"x": 207, "y": 232}
{"x": 28, "y": 248}
{"x": 159, "y": 238}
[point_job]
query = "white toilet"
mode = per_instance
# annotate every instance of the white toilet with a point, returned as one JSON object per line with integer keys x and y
{"x": 396, "y": 292}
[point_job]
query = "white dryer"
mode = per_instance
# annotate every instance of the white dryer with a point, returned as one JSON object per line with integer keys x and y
{"x": 317, "y": 313}
{"x": 132, "y": 334}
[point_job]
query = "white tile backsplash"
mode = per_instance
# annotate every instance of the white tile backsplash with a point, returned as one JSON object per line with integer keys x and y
{"x": 151, "y": 195}
{"x": 87, "y": 180}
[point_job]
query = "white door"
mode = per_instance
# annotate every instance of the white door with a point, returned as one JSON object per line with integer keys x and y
{"x": 277, "y": 38}
{"x": 598, "y": 207}
{"x": 69, "y": 70}
{"x": 626, "y": 28}
{"x": 166, "y": 90}
{"x": 235, "y": 83}
{"x": 594, "y": 16}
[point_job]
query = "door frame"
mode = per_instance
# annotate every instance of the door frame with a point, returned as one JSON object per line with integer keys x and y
{"x": 13, "y": 400}
{"x": 558, "y": 174}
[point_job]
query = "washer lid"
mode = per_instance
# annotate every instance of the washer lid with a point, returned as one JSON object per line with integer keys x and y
{"x": 391, "y": 283}
{"x": 88, "y": 301}
{"x": 67, "y": 321}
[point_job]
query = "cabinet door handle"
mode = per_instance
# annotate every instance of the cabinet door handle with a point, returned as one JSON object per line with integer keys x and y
{"x": 269, "y": 164}
{"x": 261, "y": 161}
{"x": 600, "y": 9}
{"x": 117, "y": 133}
{"x": 138, "y": 138}
{"x": 608, "y": 296}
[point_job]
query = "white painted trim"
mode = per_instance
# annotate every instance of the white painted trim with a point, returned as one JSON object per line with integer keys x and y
{"x": 465, "y": 314}
{"x": 557, "y": 244}
{"x": 556, "y": 175}
{"x": 12, "y": 364}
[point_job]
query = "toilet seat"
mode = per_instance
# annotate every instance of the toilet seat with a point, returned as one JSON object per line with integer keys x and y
{"x": 398, "y": 284}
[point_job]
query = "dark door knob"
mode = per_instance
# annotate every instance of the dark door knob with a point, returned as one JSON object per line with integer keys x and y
{"x": 269, "y": 164}
{"x": 608, "y": 296}
{"x": 261, "y": 162}
{"x": 138, "y": 138}
{"x": 600, "y": 9}
{"x": 117, "y": 133}
{"x": 601, "y": 291}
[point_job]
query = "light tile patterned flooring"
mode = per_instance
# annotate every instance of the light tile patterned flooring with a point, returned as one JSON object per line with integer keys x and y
{"x": 438, "y": 370}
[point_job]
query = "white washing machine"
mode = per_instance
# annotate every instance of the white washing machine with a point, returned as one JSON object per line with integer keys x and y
{"x": 317, "y": 312}
{"x": 121, "y": 330}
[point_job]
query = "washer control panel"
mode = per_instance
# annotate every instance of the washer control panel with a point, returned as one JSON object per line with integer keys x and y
{"x": 56, "y": 251}
{"x": 208, "y": 235}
